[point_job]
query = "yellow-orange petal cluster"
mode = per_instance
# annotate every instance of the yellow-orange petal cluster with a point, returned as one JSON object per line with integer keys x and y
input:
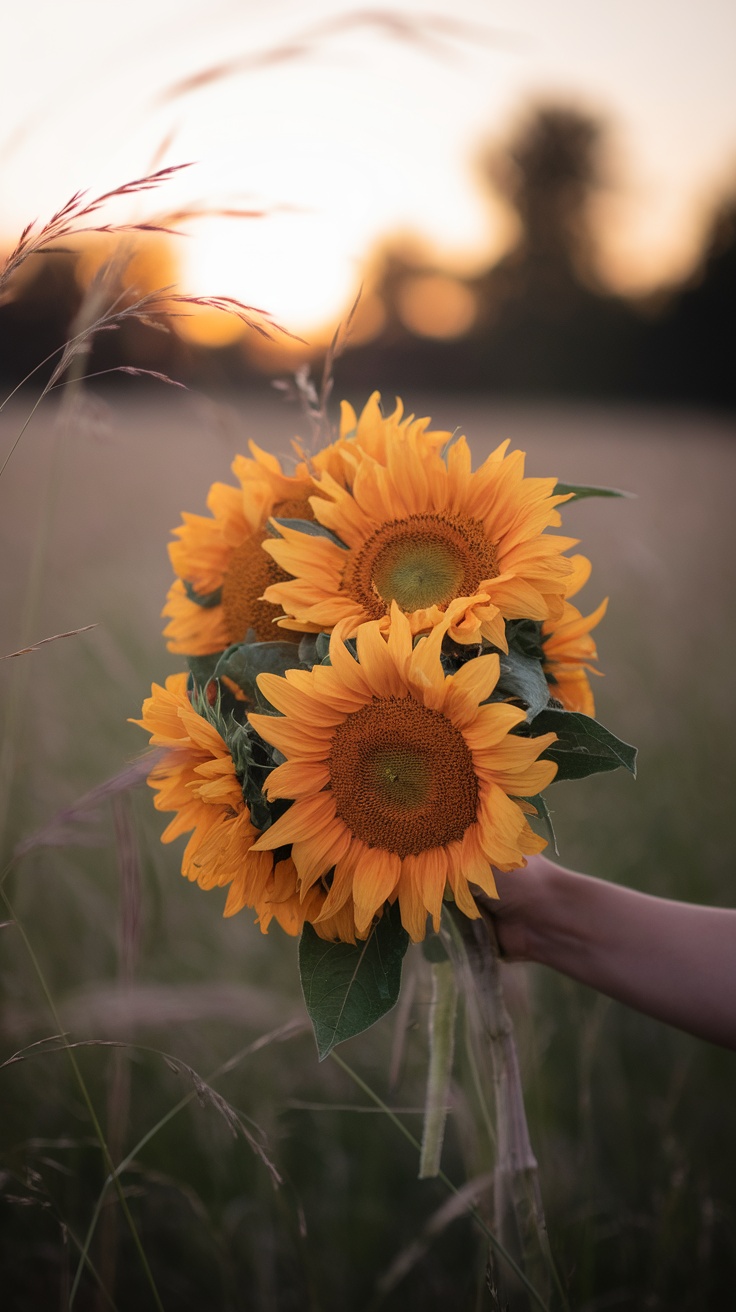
{"x": 424, "y": 532}
{"x": 569, "y": 648}
{"x": 373, "y": 434}
{"x": 196, "y": 778}
{"x": 402, "y": 781}
{"x": 219, "y": 558}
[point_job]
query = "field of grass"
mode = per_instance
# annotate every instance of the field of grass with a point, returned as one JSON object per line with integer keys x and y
{"x": 270, "y": 1181}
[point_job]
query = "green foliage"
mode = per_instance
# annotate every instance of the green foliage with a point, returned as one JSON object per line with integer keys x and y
{"x": 521, "y": 674}
{"x": 583, "y": 745}
{"x": 579, "y": 491}
{"x": 322, "y": 648}
{"x": 201, "y": 670}
{"x": 204, "y": 599}
{"x": 544, "y": 819}
{"x": 311, "y": 528}
{"x": 314, "y": 649}
{"x": 525, "y": 636}
{"x": 522, "y": 677}
{"x": 433, "y": 949}
{"x": 243, "y": 663}
{"x": 348, "y": 987}
{"x": 252, "y": 757}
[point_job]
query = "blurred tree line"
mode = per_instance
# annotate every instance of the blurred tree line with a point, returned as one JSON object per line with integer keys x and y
{"x": 540, "y": 322}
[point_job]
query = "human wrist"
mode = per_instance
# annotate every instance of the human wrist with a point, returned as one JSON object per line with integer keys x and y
{"x": 522, "y": 911}
{"x": 546, "y": 899}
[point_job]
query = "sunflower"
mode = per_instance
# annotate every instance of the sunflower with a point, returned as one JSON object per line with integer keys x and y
{"x": 373, "y": 434}
{"x": 569, "y": 649}
{"x": 221, "y": 567}
{"x": 403, "y": 782}
{"x": 422, "y": 532}
{"x": 196, "y": 777}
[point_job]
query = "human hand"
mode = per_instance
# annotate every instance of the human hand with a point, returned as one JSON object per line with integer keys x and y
{"x": 513, "y": 915}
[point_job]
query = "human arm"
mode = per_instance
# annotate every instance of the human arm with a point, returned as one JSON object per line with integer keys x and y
{"x": 674, "y": 961}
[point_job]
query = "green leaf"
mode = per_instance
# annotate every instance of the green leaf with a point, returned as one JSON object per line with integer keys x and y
{"x": 433, "y": 949}
{"x": 202, "y": 668}
{"x": 525, "y": 636}
{"x": 544, "y": 819}
{"x": 314, "y": 649}
{"x": 244, "y": 661}
{"x": 245, "y": 749}
{"x": 583, "y": 746}
{"x": 348, "y": 987}
{"x": 204, "y": 599}
{"x": 523, "y": 677}
{"x": 580, "y": 491}
{"x": 311, "y": 528}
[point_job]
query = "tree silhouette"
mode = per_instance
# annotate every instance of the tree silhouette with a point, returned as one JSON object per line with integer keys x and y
{"x": 693, "y": 351}
{"x": 550, "y": 172}
{"x": 546, "y": 323}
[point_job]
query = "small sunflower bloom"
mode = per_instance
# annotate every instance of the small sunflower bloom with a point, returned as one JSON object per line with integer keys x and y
{"x": 219, "y": 559}
{"x": 403, "y": 780}
{"x": 569, "y": 649}
{"x": 196, "y": 778}
{"x": 424, "y": 533}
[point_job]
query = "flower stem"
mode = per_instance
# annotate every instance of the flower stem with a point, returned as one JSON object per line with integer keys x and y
{"x": 535, "y": 1298}
{"x": 518, "y": 1214}
{"x": 441, "y": 1051}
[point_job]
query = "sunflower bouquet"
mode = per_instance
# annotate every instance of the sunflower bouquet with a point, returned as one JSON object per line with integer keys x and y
{"x": 385, "y": 672}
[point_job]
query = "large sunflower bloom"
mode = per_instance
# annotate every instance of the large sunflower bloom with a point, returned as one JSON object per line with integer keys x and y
{"x": 423, "y": 532}
{"x": 219, "y": 558}
{"x": 569, "y": 649}
{"x": 402, "y": 781}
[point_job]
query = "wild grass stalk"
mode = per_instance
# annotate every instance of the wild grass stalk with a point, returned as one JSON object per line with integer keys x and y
{"x": 282, "y": 1034}
{"x": 89, "y": 1105}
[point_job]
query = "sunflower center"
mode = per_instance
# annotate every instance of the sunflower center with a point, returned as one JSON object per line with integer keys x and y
{"x": 421, "y": 561}
{"x": 403, "y": 777}
{"x": 250, "y": 571}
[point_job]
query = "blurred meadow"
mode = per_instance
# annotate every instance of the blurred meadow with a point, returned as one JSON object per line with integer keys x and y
{"x": 629, "y": 1119}
{"x": 255, "y": 1178}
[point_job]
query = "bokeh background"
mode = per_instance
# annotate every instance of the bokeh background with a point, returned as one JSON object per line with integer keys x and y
{"x": 537, "y": 201}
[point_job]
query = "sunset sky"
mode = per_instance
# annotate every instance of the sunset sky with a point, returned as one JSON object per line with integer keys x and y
{"x": 357, "y": 132}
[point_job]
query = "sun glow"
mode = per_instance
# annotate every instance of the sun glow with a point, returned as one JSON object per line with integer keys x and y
{"x": 354, "y": 134}
{"x": 295, "y": 267}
